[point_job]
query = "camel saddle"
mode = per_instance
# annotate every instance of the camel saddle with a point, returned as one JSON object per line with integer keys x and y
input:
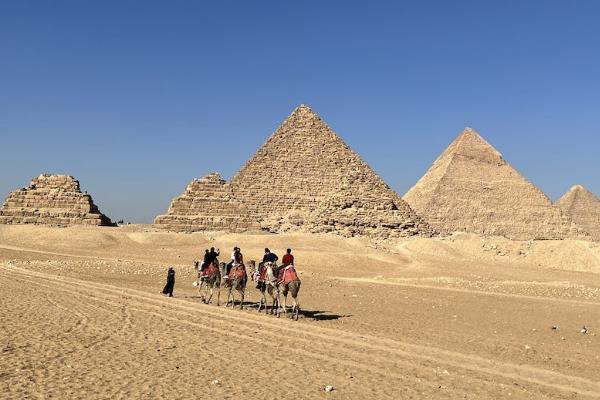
{"x": 288, "y": 274}
{"x": 211, "y": 271}
{"x": 262, "y": 276}
{"x": 237, "y": 272}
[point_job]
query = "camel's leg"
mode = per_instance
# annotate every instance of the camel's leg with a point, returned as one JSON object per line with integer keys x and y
{"x": 273, "y": 300}
{"x": 200, "y": 286}
{"x": 296, "y": 308}
{"x": 209, "y": 295}
{"x": 218, "y": 295}
{"x": 263, "y": 300}
{"x": 242, "y": 302}
{"x": 278, "y": 304}
{"x": 285, "y": 308}
{"x": 276, "y": 300}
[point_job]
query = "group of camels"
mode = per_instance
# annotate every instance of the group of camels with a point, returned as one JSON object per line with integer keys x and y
{"x": 267, "y": 280}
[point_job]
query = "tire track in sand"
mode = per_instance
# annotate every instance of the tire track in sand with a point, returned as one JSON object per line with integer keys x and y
{"x": 474, "y": 364}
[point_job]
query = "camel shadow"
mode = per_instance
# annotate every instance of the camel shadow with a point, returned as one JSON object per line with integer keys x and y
{"x": 316, "y": 315}
{"x": 322, "y": 315}
{"x": 309, "y": 314}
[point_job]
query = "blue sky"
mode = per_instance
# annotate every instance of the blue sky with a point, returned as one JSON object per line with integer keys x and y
{"x": 136, "y": 99}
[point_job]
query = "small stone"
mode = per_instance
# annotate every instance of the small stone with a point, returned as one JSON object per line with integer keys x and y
{"x": 215, "y": 382}
{"x": 329, "y": 388}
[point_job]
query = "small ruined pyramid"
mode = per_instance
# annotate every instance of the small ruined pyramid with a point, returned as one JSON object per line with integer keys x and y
{"x": 207, "y": 204}
{"x": 471, "y": 188}
{"x": 51, "y": 200}
{"x": 583, "y": 207}
{"x": 306, "y": 173}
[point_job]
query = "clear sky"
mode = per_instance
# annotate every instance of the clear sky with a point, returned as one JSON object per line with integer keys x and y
{"x": 136, "y": 99}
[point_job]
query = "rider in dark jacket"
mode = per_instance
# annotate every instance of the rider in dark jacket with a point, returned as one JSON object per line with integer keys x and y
{"x": 269, "y": 257}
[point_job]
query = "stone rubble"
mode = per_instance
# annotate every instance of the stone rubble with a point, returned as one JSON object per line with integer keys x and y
{"x": 51, "y": 200}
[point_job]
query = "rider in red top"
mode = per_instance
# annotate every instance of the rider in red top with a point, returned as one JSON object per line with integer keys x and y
{"x": 288, "y": 258}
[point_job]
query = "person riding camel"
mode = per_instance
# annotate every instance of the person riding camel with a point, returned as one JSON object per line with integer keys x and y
{"x": 287, "y": 270}
{"x": 214, "y": 254}
{"x": 288, "y": 258}
{"x": 237, "y": 258}
{"x": 269, "y": 257}
{"x": 206, "y": 261}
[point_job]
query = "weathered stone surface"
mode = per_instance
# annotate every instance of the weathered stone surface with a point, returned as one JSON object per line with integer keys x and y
{"x": 207, "y": 204}
{"x": 51, "y": 200}
{"x": 471, "y": 188}
{"x": 583, "y": 207}
{"x": 303, "y": 178}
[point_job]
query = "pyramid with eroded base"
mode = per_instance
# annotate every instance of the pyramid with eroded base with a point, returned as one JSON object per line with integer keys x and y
{"x": 583, "y": 207}
{"x": 52, "y": 200}
{"x": 306, "y": 173}
{"x": 471, "y": 188}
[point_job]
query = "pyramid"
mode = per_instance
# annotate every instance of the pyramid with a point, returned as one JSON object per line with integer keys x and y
{"x": 51, "y": 200}
{"x": 206, "y": 204}
{"x": 306, "y": 171}
{"x": 471, "y": 188}
{"x": 583, "y": 207}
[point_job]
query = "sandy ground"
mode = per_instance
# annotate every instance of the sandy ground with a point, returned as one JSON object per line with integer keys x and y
{"x": 459, "y": 317}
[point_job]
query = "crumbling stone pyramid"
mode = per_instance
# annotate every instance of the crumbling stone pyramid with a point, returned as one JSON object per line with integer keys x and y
{"x": 207, "y": 204}
{"x": 471, "y": 188}
{"x": 583, "y": 207}
{"x": 307, "y": 173}
{"x": 52, "y": 200}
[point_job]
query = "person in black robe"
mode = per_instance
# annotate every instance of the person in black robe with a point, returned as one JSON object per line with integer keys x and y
{"x": 206, "y": 261}
{"x": 168, "y": 289}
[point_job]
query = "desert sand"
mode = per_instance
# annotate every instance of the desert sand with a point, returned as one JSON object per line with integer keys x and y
{"x": 461, "y": 316}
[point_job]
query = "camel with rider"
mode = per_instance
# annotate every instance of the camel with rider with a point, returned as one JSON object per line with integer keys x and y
{"x": 277, "y": 281}
{"x": 209, "y": 280}
{"x": 235, "y": 282}
{"x": 289, "y": 282}
{"x": 266, "y": 282}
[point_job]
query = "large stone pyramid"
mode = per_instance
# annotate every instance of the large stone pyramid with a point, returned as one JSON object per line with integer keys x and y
{"x": 583, "y": 207}
{"x": 307, "y": 173}
{"x": 52, "y": 200}
{"x": 471, "y": 188}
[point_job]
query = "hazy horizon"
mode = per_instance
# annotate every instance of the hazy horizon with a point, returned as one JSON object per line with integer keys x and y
{"x": 136, "y": 100}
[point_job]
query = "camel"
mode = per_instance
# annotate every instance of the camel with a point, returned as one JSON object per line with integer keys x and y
{"x": 210, "y": 281}
{"x": 237, "y": 280}
{"x": 266, "y": 283}
{"x": 289, "y": 282}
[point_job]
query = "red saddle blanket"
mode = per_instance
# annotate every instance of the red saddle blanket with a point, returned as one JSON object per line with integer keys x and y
{"x": 262, "y": 277}
{"x": 288, "y": 274}
{"x": 237, "y": 272}
{"x": 211, "y": 270}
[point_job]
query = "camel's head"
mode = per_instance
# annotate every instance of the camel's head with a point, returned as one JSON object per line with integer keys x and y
{"x": 252, "y": 265}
